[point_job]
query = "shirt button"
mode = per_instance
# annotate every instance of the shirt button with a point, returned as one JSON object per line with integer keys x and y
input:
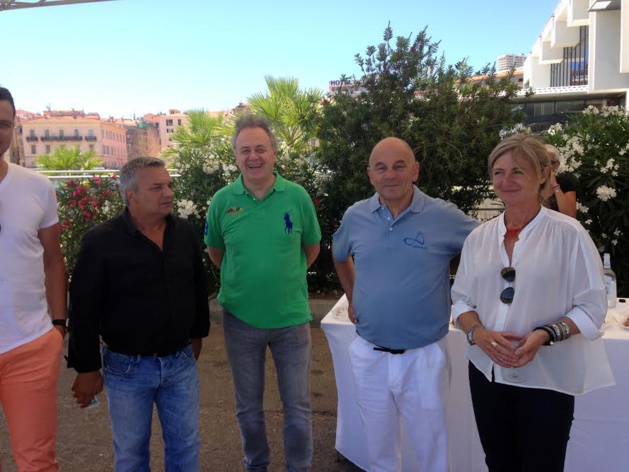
{"x": 391, "y": 229}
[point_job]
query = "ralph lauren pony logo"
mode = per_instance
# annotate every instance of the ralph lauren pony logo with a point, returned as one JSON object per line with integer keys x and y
{"x": 288, "y": 223}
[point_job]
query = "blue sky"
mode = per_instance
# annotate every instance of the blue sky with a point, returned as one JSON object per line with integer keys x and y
{"x": 129, "y": 57}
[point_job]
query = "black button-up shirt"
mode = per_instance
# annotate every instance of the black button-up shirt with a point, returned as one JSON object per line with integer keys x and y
{"x": 139, "y": 299}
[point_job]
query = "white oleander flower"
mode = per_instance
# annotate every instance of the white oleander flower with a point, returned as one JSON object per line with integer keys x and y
{"x": 582, "y": 208}
{"x": 610, "y": 166}
{"x": 518, "y": 128}
{"x": 209, "y": 167}
{"x": 605, "y": 193}
{"x": 186, "y": 208}
{"x": 610, "y": 111}
{"x": 590, "y": 110}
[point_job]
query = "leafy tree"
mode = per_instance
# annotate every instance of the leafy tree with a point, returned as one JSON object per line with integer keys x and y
{"x": 72, "y": 158}
{"x": 594, "y": 148}
{"x": 450, "y": 121}
{"x": 290, "y": 110}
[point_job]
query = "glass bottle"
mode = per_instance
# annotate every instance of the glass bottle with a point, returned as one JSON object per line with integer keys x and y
{"x": 610, "y": 281}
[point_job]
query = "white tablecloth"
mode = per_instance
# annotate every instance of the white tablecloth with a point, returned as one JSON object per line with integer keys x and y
{"x": 599, "y": 439}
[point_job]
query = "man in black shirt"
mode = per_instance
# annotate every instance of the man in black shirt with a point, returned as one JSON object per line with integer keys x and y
{"x": 139, "y": 283}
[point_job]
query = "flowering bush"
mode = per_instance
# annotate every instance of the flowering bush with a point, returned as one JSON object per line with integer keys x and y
{"x": 518, "y": 128}
{"x": 83, "y": 204}
{"x": 203, "y": 170}
{"x": 594, "y": 148}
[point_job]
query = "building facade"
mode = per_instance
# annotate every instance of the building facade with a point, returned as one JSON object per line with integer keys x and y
{"x": 142, "y": 138}
{"x": 580, "y": 59}
{"x": 507, "y": 62}
{"x": 38, "y": 135}
{"x": 166, "y": 125}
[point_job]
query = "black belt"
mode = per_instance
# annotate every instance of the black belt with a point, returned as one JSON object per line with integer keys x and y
{"x": 390, "y": 351}
{"x": 127, "y": 352}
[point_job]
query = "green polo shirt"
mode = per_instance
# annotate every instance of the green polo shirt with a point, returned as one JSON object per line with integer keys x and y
{"x": 263, "y": 274}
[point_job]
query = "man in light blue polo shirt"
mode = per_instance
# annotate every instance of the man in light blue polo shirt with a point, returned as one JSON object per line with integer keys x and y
{"x": 392, "y": 254}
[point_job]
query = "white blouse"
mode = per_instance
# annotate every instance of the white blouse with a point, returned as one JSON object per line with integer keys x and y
{"x": 558, "y": 273}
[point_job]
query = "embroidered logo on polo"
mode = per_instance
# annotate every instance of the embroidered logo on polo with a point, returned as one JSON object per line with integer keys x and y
{"x": 233, "y": 211}
{"x": 288, "y": 224}
{"x": 416, "y": 242}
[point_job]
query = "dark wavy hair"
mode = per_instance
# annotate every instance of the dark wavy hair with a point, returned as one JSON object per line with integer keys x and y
{"x": 6, "y": 95}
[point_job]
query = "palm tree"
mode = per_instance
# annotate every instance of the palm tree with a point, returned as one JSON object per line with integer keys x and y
{"x": 198, "y": 133}
{"x": 289, "y": 109}
{"x": 63, "y": 158}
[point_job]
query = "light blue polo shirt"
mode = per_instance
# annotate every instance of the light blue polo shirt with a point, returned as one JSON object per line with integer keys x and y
{"x": 402, "y": 287}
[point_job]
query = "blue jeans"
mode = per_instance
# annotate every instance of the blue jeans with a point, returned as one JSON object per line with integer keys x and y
{"x": 134, "y": 384}
{"x": 291, "y": 349}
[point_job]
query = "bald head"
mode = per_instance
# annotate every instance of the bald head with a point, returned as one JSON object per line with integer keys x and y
{"x": 391, "y": 145}
{"x": 392, "y": 171}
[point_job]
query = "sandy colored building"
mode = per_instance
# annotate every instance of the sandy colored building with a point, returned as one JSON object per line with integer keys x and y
{"x": 42, "y": 134}
{"x": 166, "y": 125}
{"x": 142, "y": 138}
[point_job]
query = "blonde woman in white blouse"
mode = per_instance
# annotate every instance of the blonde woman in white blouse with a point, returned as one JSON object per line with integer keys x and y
{"x": 529, "y": 294}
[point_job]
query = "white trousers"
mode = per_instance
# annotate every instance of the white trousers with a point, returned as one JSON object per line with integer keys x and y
{"x": 402, "y": 390}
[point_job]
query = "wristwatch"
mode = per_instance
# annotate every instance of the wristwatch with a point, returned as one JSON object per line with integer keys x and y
{"x": 470, "y": 334}
{"x": 61, "y": 322}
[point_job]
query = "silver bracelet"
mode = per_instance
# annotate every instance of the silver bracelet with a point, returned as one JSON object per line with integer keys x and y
{"x": 557, "y": 330}
{"x": 565, "y": 329}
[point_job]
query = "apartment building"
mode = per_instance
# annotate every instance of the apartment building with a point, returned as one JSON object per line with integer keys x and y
{"x": 506, "y": 62}
{"x": 142, "y": 138}
{"x": 166, "y": 125}
{"x": 580, "y": 58}
{"x": 38, "y": 135}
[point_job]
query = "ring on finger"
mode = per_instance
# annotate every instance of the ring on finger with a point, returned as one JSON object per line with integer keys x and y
{"x": 493, "y": 344}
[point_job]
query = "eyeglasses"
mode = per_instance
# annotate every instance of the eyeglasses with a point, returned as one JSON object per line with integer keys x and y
{"x": 508, "y": 273}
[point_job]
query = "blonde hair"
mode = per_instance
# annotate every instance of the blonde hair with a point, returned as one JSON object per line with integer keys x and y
{"x": 552, "y": 151}
{"x": 523, "y": 146}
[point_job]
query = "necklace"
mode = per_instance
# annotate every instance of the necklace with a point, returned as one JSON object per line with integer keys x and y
{"x": 516, "y": 231}
{"x": 513, "y": 231}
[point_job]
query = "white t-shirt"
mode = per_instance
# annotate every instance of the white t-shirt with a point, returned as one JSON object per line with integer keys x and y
{"x": 27, "y": 204}
{"x": 558, "y": 273}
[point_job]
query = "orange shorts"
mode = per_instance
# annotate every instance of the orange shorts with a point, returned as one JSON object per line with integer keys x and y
{"x": 28, "y": 395}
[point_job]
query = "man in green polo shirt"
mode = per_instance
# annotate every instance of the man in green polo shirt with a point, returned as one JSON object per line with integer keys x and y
{"x": 262, "y": 231}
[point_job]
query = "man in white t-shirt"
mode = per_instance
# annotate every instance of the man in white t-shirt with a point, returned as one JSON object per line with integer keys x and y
{"x": 32, "y": 306}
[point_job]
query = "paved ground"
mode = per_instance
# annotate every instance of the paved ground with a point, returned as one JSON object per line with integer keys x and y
{"x": 84, "y": 442}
